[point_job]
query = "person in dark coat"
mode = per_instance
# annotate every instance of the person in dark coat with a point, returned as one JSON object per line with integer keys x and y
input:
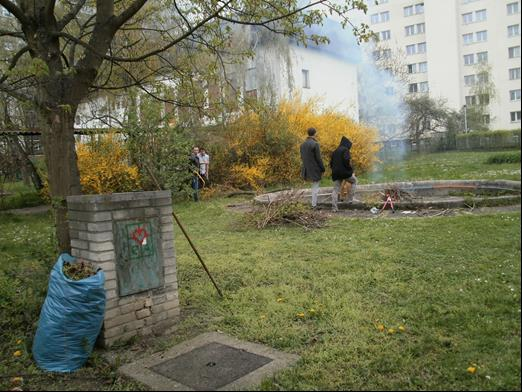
{"x": 342, "y": 170}
{"x": 194, "y": 166}
{"x": 312, "y": 167}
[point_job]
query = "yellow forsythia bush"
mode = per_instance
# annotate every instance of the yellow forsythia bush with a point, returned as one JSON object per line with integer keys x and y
{"x": 104, "y": 166}
{"x": 262, "y": 147}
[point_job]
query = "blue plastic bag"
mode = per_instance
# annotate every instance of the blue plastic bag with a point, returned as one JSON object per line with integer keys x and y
{"x": 70, "y": 320}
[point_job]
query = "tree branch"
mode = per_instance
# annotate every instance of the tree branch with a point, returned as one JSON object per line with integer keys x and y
{"x": 16, "y": 11}
{"x": 14, "y": 60}
{"x": 71, "y": 15}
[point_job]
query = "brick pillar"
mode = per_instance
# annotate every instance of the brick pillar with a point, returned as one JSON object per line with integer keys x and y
{"x": 103, "y": 228}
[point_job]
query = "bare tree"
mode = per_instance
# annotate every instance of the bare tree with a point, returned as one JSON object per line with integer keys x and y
{"x": 67, "y": 49}
{"x": 425, "y": 115}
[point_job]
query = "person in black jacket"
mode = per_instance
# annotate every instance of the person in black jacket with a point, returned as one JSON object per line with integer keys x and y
{"x": 342, "y": 170}
{"x": 312, "y": 168}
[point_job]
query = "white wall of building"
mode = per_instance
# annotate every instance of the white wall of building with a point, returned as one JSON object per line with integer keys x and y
{"x": 330, "y": 80}
{"x": 445, "y": 28}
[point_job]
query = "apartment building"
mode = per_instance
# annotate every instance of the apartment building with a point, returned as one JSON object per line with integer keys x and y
{"x": 443, "y": 44}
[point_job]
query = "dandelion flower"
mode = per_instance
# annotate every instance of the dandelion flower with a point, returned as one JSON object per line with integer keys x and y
{"x": 391, "y": 331}
{"x": 301, "y": 314}
{"x": 17, "y": 353}
{"x": 19, "y": 341}
{"x": 471, "y": 369}
{"x": 402, "y": 328}
{"x": 279, "y": 300}
{"x": 381, "y": 328}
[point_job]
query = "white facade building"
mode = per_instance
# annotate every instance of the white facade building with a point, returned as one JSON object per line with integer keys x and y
{"x": 443, "y": 41}
{"x": 311, "y": 73}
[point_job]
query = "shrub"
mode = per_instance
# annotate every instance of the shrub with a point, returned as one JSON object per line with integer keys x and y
{"x": 261, "y": 147}
{"x": 508, "y": 157}
{"x": 20, "y": 200}
{"x": 104, "y": 166}
{"x": 159, "y": 149}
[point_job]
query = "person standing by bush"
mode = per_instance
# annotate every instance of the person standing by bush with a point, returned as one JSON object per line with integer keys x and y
{"x": 312, "y": 167}
{"x": 194, "y": 166}
{"x": 204, "y": 162}
{"x": 342, "y": 171}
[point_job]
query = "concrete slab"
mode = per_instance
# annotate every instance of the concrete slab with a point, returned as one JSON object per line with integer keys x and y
{"x": 211, "y": 361}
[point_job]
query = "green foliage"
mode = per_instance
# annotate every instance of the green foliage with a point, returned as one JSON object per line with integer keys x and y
{"x": 159, "y": 148}
{"x": 507, "y": 157}
{"x": 20, "y": 200}
{"x": 478, "y": 134}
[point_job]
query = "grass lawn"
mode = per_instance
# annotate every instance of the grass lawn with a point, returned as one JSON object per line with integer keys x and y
{"x": 453, "y": 283}
{"x": 453, "y": 165}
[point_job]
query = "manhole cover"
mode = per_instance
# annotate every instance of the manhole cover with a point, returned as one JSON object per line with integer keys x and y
{"x": 210, "y": 366}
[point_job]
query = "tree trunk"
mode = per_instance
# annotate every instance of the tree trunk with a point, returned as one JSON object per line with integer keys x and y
{"x": 62, "y": 166}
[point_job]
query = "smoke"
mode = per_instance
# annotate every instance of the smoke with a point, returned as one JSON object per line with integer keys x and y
{"x": 381, "y": 95}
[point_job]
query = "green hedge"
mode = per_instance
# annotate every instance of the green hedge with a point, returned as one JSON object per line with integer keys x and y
{"x": 488, "y": 140}
{"x": 497, "y": 133}
{"x": 20, "y": 200}
{"x": 507, "y": 157}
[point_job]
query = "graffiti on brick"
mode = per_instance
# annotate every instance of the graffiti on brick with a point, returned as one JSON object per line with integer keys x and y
{"x": 139, "y": 264}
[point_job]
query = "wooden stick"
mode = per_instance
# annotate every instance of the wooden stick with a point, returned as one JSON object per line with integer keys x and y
{"x": 186, "y": 235}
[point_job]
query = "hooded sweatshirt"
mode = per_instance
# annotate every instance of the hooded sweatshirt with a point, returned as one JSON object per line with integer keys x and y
{"x": 340, "y": 162}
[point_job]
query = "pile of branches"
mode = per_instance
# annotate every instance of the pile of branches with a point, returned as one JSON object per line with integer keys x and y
{"x": 79, "y": 270}
{"x": 287, "y": 209}
{"x": 397, "y": 194}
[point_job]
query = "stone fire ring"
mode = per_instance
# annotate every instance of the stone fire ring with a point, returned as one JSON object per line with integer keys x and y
{"x": 420, "y": 194}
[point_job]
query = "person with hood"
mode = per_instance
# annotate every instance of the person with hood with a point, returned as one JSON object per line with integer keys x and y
{"x": 342, "y": 170}
{"x": 312, "y": 167}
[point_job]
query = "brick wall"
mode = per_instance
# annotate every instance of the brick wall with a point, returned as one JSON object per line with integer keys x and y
{"x": 92, "y": 222}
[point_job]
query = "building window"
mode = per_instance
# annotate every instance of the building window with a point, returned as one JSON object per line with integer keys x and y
{"x": 410, "y": 30}
{"x": 486, "y": 119}
{"x": 483, "y": 99}
{"x": 421, "y": 28}
{"x": 469, "y": 80}
{"x": 514, "y": 95}
{"x": 514, "y": 30}
{"x": 467, "y": 18}
{"x": 481, "y": 15}
{"x": 421, "y": 47}
{"x": 413, "y": 88}
{"x": 482, "y": 57}
{"x": 385, "y": 16}
{"x": 482, "y": 77}
{"x": 412, "y": 68}
{"x": 306, "y": 78}
{"x": 471, "y": 100}
{"x": 515, "y": 116}
{"x": 514, "y": 73}
{"x": 512, "y": 8}
{"x": 414, "y": 10}
{"x": 514, "y": 52}
{"x": 385, "y": 35}
{"x": 424, "y": 87}
{"x": 374, "y": 18}
{"x": 423, "y": 67}
{"x": 469, "y": 59}
{"x": 411, "y": 49}
{"x": 482, "y": 36}
{"x": 468, "y": 38}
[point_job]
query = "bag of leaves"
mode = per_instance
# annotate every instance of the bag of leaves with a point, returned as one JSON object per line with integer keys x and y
{"x": 71, "y": 316}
